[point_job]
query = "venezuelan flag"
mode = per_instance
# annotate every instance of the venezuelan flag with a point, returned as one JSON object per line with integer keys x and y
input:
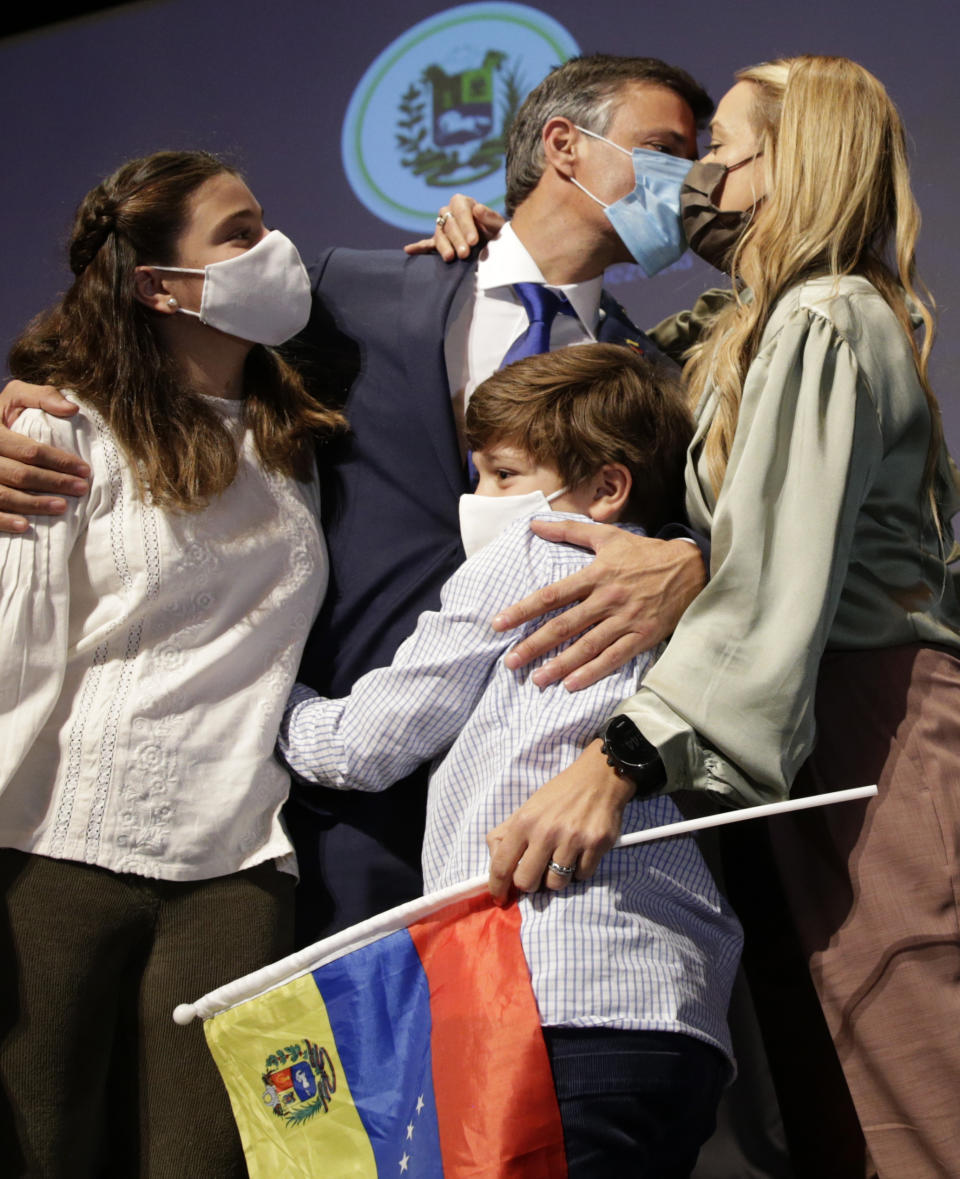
{"x": 414, "y": 1052}
{"x": 409, "y": 1045}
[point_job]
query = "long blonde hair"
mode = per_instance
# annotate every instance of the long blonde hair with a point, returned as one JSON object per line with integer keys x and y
{"x": 838, "y": 201}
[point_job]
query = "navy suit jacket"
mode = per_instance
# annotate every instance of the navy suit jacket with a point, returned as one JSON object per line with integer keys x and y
{"x": 391, "y": 489}
{"x": 390, "y": 492}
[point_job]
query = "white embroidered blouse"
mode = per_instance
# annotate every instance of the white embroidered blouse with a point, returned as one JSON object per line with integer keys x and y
{"x": 145, "y": 660}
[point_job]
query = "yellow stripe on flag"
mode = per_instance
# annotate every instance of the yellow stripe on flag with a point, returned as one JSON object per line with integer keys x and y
{"x": 278, "y": 1056}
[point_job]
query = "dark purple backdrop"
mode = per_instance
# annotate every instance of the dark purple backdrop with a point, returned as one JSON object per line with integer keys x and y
{"x": 269, "y": 84}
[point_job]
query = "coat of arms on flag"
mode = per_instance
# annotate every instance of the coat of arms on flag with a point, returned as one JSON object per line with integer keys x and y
{"x": 411, "y": 1050}
{"x": 302, "y": 1088}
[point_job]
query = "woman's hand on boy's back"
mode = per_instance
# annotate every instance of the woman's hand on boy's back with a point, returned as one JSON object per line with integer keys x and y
{"x": 629, "y": 598}
{"x": 33, "y": 477}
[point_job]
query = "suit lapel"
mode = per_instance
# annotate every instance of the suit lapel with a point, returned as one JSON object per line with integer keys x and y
{"x": 616, "y": 328}
{"x": 429, "y": 286}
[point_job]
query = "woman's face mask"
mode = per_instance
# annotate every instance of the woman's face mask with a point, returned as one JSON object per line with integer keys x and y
{"x": 721, "y": 194}
{"x": 712, "y": 233}
{"x": 647, "y": 220}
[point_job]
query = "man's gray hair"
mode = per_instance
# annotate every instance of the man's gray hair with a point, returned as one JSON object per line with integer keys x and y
{"x": 584, "y": 90}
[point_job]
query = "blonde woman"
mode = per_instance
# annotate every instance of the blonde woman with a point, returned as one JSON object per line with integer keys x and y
{"x": 824, "y": 651}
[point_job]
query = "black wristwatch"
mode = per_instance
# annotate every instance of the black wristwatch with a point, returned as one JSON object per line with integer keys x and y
{"x": 632, "y": 756}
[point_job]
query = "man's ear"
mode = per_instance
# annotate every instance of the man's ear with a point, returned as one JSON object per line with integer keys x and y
{"x": 611, "y": 491}
{"x": 561, "y": 144}
{"x": 150, "y": 289}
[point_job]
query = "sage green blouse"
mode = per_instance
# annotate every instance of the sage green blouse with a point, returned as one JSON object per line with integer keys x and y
{"x": 822, "y": 537}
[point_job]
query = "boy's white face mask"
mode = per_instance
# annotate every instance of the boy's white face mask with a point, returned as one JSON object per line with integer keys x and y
{"x": 484, "y": 517}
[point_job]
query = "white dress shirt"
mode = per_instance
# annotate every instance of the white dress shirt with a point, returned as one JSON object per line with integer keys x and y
{"x": 649, "y": 942}
{"x": 486, "y": 316}
{"x": 145, "y": 660}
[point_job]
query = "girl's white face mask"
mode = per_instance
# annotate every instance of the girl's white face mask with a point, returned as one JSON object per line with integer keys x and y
{"x": 484, "y": 517}
{"x": 261, "y": 295}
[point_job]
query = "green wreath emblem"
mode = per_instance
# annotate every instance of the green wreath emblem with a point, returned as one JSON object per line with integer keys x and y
{"x": 440, "y": 168}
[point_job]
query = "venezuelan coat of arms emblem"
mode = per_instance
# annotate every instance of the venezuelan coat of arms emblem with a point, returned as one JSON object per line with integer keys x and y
{"x": 299, "y": 1081}
{"x": 432, "y": 112}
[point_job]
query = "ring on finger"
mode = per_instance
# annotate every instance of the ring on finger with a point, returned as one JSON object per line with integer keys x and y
{"x": 442, "y": 219}
{"x": 560, "y": 870}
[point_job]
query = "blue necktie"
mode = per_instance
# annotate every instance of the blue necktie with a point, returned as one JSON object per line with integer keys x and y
{"x": 542, "y": 307}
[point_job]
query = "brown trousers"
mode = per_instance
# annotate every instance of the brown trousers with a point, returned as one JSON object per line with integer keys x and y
{"x": 97, "y": 1079}
{"x": 874, "y": 890}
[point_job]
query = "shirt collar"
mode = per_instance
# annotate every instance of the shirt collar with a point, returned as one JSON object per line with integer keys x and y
{"x": 505, "y": 260}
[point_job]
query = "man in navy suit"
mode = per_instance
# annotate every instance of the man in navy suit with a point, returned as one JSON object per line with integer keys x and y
{"x": 403, "y": 340}
{"x": 407, "y": 339}
{"x": 424, "y": 335}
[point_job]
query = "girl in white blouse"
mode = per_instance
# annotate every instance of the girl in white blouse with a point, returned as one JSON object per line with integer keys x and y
{"x": 148, "y": 640}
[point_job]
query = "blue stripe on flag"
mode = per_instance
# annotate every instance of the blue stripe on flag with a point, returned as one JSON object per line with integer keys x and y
{"x": 378, "y": 1003}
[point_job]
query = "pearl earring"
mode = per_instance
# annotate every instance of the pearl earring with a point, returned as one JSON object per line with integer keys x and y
{"x": 172, "y": 302}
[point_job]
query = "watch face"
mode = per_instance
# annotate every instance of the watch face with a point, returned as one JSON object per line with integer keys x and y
{"x": 632, "y": 755}
{"x": 628, "y": 743}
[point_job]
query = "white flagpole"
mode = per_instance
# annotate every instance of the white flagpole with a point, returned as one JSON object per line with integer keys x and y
{"x": 750, "y": 812}
{"x": 311, "y": 957}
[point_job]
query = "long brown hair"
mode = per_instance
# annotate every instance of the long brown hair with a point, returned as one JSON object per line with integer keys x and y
{"x": 102, "y": 343}
{"x": 838, "y": 201}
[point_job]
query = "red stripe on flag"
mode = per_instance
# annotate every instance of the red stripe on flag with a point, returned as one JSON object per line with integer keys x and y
{"x": 496, "y": 1105}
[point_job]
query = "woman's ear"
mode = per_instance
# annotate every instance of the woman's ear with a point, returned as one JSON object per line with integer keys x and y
{"x": 611, "y": 491}
{"x": 150, "y": 289}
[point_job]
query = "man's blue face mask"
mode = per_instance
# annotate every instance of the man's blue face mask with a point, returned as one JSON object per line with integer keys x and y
{"x": 647, "y": 220}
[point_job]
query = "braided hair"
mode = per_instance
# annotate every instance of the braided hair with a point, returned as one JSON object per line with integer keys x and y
{"x": 96, "y": 220}
{"x": 102, "y": 343}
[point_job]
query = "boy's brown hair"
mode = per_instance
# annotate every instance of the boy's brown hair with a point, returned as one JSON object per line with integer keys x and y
{"x": 579, "y": 408}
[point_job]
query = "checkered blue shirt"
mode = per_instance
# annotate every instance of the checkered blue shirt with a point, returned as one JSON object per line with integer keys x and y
{"x": 648, "y": 943}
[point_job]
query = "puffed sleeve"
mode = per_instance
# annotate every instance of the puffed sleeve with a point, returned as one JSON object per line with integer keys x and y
{"x": 730, "y": 703}
{"x": 35, "y": 603}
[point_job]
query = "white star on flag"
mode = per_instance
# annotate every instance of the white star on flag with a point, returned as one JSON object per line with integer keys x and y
{"x": 409, "y": 1130}
{"x": 404, "y": 1161}
{"x": 420, "y": 1103}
